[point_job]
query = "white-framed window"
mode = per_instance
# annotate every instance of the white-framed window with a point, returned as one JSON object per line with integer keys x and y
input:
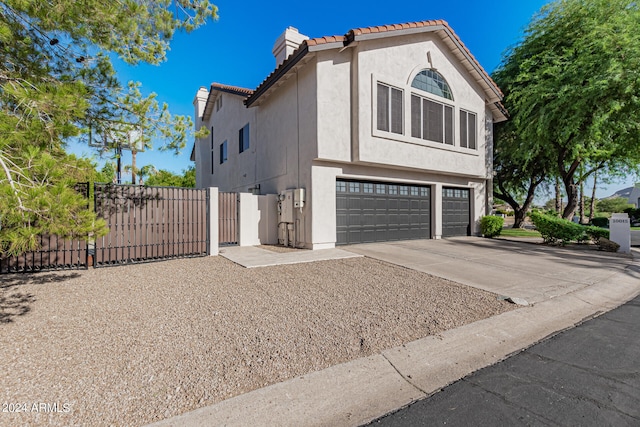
{"x": 423, "y": 110}
{"x": 431, "y": 120}
{"x": 468, "y": 130}
{"x": 433, "y": 82}
{"x": 223, "y": 152}
{"x": 243, "y": 138}
{"x": 390, "y": 116}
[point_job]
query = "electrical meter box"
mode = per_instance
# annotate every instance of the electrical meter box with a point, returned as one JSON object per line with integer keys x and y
{"x": 298, "y": 198}
{"x": 286, "y": 206}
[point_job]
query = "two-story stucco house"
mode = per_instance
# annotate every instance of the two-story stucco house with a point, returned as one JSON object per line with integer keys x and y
{"x": 387, "y": 129}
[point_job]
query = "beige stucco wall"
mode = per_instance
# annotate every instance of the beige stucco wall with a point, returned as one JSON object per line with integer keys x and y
{"x": 395, "y": 61}
{"x": 318, "y": 125}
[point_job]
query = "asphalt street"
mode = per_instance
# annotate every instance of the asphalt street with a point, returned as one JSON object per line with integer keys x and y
{"x": 588, "y": 376}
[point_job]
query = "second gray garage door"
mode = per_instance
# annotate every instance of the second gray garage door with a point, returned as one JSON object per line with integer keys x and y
{"x": 456, "y": 212}
{"x": 381, "y": 212}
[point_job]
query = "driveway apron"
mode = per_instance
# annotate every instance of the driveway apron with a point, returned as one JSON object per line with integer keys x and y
{"x": 528, "y": 271}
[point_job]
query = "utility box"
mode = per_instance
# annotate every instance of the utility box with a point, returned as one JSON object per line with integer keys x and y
{"x": 298, "y": 198}
{"x": 286, "y": 206}
{"x": 620, "y": 231}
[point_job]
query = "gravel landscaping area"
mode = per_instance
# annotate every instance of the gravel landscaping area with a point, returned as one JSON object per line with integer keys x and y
{"x": 136, "y": 344}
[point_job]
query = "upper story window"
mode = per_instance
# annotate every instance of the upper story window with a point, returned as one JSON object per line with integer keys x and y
{"x": 219, "y": 102}
{"x": 431, "y": 120}
{"x": 243, "y": 138}
{"x": 390, "y": 115}
{"x": 468, "y": 129}
{"x": 431, "y": 81}
{"x": 223, "y": 152}
{"x": 433, "y": 114}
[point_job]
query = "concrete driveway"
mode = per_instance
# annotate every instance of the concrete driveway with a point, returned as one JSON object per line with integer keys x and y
{"x": 529, "y": 271}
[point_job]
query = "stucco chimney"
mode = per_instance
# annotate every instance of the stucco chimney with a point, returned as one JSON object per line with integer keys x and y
{"x": 199, "y": 102}
{"x": 288, "y": 41}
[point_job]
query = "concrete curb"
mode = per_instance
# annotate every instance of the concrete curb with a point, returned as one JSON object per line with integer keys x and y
{"x": 362, "y": 390}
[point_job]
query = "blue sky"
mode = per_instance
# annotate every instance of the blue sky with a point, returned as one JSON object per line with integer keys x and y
{"x": 236, "y": 49}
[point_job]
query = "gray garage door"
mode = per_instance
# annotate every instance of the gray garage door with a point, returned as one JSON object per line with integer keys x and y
{"x": 456, "y": 212}
{"x": 380, "y": 212}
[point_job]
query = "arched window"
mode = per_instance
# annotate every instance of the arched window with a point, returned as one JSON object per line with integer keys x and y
{"x": 431, "y": 81}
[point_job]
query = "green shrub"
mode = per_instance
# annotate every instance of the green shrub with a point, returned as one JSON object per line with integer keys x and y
{"x": 596, "y": 233}
{"x": 554, "y": 229}
{"x": 491, "y": 226}
{"x": 600, "y": 222}
{"x": 633, "y": 213}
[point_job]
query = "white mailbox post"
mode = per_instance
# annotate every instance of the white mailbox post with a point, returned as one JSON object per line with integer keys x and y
{"x": 620, "y": 231}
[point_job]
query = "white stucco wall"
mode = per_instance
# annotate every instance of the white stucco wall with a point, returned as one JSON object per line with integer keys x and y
{"x": 319, "y": 125}
{"x": 238, "y": 172}
{"x": 395, "y": 61}
{"x": 248, "y": 220}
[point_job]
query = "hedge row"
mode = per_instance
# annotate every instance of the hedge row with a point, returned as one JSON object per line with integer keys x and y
{"x": 558, "y": 230}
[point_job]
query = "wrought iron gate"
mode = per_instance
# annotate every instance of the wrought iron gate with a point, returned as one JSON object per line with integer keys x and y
{"x": 150, "y": 223}
{"x": 228, "y": 218}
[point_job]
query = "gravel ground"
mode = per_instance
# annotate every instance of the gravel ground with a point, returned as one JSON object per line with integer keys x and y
{"x": 136, "y": 344}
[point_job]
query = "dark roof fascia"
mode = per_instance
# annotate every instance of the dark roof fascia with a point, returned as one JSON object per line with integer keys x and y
{"x": 281, "y": 71}
{"x": 229, "y": 90}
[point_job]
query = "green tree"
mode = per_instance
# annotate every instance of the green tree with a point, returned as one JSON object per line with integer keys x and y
{"x": 574, "y": 86}
{"x": 107, "y": 173}
{"x": 57, "y": 82}
{"x": 165, "y": 178}
{"x": 189, "y": 177}
{"x": 518, "y": 173}
{"x": 613, "y": 205}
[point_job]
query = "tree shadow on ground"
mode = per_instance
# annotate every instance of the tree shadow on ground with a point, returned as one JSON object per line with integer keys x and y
{"x": 14, "y": 303}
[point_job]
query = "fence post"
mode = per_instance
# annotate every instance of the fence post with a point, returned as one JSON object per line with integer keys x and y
{"x": 213, "y": 221}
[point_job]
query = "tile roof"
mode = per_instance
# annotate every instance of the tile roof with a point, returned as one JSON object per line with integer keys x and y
{"x": 422, "y": 24}
{"x": 236, "y": 90}
{"x": 355, "y": 33}
{"x": 325, "y": 40}
{"x": 394, "y": 27}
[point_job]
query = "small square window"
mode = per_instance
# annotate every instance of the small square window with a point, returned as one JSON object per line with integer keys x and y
{"x": 380, "y": 189}
{"x": 404, "y": 190}
{"x": 368, "y": 188}
{"x": 414, "y": 191}
{"x": 243, "y": 138}
{"x": 341, "y": 186}
{"x": 354, "y": 187}
{"x": 223, "y": 152}
{"x": 393, "y": 189}
{"x": 424, "y": 191}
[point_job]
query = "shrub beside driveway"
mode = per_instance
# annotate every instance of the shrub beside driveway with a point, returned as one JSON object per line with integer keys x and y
{"x": 136, "y": 344}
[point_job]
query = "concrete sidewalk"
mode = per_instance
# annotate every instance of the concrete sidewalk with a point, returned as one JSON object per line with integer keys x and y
{"x": 359, "y": 391}
{"x": 252, "y": 256}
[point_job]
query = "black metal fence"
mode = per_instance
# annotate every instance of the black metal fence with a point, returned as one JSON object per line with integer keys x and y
{"x": 150, "y": 223}
{"x": 54, "y": 253}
